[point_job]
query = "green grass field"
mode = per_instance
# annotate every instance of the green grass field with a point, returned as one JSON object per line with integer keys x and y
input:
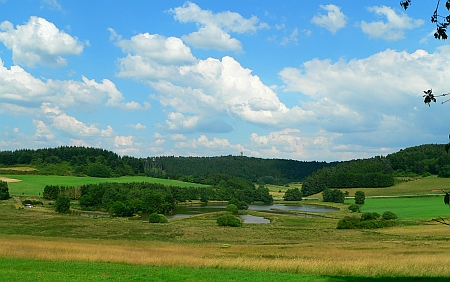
{"x": 33, "y": 185}
{"x": 13, "y": 270}
{"x": 37, "y": 244}
{"x": 408, "y": 208}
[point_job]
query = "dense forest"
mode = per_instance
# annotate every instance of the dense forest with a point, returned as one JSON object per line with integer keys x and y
{"x": 423, "y": 160}
{"x": 265, "y": 171}
{"x": 81, "y": 161}
{"x": 373, "y": 172}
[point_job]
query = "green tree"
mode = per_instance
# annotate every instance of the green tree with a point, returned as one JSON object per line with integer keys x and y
{"x": 333, "y": 195}
{"x": 4, "y": 191}
{"x": 293, "y": 194}
{"x": 232, "y": 208}
{"x": 229, "y": 220}
{"x": 360, "y": 197}
{"x": 62, "y": 204}
{"x": 98, "y": 170}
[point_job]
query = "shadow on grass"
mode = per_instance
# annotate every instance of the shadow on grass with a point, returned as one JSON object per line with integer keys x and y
{"x": 385, "y": 279}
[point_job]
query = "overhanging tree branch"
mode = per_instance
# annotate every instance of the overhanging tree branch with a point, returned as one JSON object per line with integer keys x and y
{"x": 441, "y": 22}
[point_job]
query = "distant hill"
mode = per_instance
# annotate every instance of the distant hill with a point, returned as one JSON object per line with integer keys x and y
{"x": 70, "y": 160}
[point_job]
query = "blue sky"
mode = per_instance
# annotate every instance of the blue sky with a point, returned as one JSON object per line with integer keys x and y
{"x": 304, "y": 80}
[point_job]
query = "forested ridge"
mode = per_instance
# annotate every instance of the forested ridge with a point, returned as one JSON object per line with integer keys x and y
{"x": 102, "y": 163}
{"x": 423, "y": 160}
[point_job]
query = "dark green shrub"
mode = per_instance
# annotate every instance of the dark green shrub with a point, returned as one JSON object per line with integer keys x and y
{"x": 360, "y": 197}
{"x": 369, "y": 216}
{"x": 370, "y": 224}
{"x": 293, "y": 194}
{"x": 157, "y": 218}
{"x": 232, "y": 208}
{"x": 27, "y": 202}
{"x": 354, "y": 207}
{"x": 229, "y": 220}
{"x": 388, "y": 215}
{"x": 62, "y": 204}
{"x": 122, "y": 210}
{"x": 348, "y": 222}
{"x": 4, "y": 191}
{"x": 241, "y": 205}
{"x": 98, "y": 170}
{"x": 333, "y": 195}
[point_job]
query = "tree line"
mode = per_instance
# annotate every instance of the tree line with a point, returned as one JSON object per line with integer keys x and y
{"x": 373, "y": 172}
{"x": 125, "y": 199}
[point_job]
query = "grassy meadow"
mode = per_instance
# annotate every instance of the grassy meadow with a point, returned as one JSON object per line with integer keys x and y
{"x": 38, "y": 243}
{"x": 33, "y": 185}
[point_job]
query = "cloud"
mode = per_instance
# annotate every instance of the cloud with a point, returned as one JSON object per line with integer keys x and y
{"x": 393, "y": 28}
{"x": 292, "y": 37}
{"x": 71, "y": 125}
{"x": 214, "y": 29}
{"x": 202, "y": 145}
{"x": 137, "y": 126}
{"x": 204, "y": 88}
{"x": 157, "y": 48}
{"x": 375, "y": 96}
{"x": 38, "y": 42}
{"x": 333, "y": 20}
{"x": 52, "y": 4}
{"x": 21, "y": 89}
{"x": 121, "y": 141}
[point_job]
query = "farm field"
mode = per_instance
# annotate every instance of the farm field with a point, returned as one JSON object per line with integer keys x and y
{"x": 33, "y": 185}
{"x": 290, "y": 248}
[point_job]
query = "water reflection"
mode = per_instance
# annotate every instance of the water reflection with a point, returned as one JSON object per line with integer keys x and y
{"x": 185, "y": 211}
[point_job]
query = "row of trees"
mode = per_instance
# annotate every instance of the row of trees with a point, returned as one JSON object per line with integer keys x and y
{"x": 79, "y": 159}
{"x": 374, "y": 172}
{"x": 125, "y": 199}
{"x": 256, "y": 170}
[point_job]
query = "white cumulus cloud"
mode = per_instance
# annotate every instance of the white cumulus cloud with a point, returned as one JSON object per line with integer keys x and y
{"x": 393, "y": 28}
{"x": 38, "y": 42}
{"x": 215, "y": 28}
{"x": 333, "y": 20}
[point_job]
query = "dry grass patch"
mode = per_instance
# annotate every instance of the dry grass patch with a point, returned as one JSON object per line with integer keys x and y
{"x": 9, "y": 180}
{"x": 19, "y": 168}
{"x": 389, "y": 258}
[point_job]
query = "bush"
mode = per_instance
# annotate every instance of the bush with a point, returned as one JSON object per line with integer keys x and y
{"x": 370, "y": 224}
{"x": 333, "y": 195}
{"x": 229, "y": 220}
{"x": 348, "y": 222}
{"x": 241, "y": 205}
{"x": 370, "y": 216}
{"x": 122, "y": 210}
{"x": 354, "y": 207}
{"x": 232, "y": 208}
{"x": 388, "y": 215}
{"x": 62, "y": 204}
{"x": 157, "y": 218}
{"x": 293, "y": 194}
{"x": 98, "y": 170}
{"x": 360, "y": 197}
{"x": 4, "y": 191}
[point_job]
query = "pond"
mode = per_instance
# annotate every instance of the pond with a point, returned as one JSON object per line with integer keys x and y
{"x": 185, "y": 211}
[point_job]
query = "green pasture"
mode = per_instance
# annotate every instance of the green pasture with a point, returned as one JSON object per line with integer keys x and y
{"x": 32, "y": 270}
{"x": 408, "y": 208}
{"x": 33, "y": 185}
{"x": 421, "y": 186}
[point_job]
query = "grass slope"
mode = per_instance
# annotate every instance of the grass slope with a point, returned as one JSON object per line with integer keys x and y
{"x": 409, "y": 208}
{"x": 34, "y": 270}
{"x": 33, "y": 185}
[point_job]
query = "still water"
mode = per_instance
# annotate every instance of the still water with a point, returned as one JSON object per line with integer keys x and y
{"x": 184, "y": 211}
